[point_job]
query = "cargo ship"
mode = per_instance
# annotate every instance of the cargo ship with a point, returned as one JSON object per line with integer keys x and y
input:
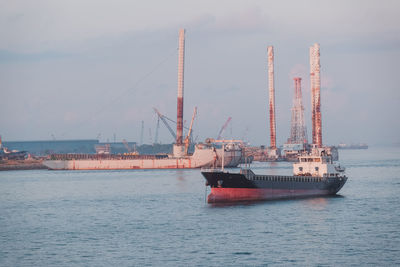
{"x": 315, "y": 174}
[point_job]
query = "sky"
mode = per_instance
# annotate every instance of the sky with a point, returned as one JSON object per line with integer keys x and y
{"x": 95, "y": 69}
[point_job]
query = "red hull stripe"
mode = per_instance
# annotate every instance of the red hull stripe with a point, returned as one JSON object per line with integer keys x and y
{"x": 241, "y": 194}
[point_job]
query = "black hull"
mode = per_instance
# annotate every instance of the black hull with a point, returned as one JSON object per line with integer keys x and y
{"x": 248, "y": 186}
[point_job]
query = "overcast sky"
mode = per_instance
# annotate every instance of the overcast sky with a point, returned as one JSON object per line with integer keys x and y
{"x": 77, "y": 69}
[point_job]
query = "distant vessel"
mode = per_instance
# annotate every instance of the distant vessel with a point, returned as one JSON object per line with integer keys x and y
{"x": 353, "y": 146}
{"x": 315, "y": 174}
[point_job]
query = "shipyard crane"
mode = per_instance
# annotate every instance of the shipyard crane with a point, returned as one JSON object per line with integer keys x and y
{"x": 164, "y": 120}
{"x": 224, "y": 127}
{"x": 171, "y": 120}
{"x": 187, "y": 139}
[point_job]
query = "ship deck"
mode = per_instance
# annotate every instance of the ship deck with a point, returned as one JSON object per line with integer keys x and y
{"x": 104, "y": 157}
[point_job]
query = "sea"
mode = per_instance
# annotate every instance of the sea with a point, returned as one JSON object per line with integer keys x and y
{"x": 161, "y": 218}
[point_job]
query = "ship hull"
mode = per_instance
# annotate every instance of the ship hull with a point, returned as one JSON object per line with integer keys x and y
{"x": 230, "y": 187}
{"x": 219, "y": 195}
{"x": 124, "y": 164}
{"x": 200, "y": 158}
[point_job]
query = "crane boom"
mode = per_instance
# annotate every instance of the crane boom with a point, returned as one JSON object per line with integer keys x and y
{"x": 187, "y": 139}
{"x": 163, "y": 119}
{"x": 171, "y": 120}
{"x": 224, "y": 127}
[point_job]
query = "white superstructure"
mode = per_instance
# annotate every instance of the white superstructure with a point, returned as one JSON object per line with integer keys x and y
{"x": 318, "y": 163}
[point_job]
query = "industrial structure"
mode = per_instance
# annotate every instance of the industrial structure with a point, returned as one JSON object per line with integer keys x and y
{"x": 315, "y": 81}
{"x": 179, "y": 148}
{"x": 298, "y": 131}
{"x": 297, "y": 141}
{"x": 273, "y": 151}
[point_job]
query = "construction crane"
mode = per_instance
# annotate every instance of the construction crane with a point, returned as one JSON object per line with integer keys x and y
{"x": 164, "y": 120}
{"x": 224, "y": 127}
{"x": 187, "y": 139}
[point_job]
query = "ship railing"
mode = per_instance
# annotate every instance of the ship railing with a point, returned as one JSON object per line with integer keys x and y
{"x": 285, "y": 178}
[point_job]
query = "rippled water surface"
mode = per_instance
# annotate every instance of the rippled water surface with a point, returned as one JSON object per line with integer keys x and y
{"x": 160, "y": 218}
